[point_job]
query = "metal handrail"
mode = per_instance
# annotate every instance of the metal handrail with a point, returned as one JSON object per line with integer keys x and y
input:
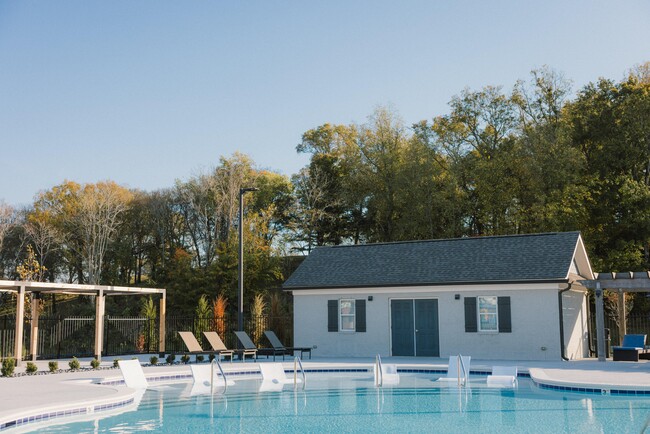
{"x": 461, "y": 365}
{"x": 223, "y": 375}
{"x": 379, "y": 373}
{"x": 297, "y": 362}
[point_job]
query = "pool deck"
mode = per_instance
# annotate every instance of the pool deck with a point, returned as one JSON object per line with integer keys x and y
{"x": 28, "y": 395}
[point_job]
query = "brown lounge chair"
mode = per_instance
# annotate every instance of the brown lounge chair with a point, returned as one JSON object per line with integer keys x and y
{"x": 217, "y": 344}
{"x": 277, "y": 345}
{"x": 193, "y": 346}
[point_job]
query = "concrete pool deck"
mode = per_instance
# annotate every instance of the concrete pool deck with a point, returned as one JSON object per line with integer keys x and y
{"x": 30, "y": 395}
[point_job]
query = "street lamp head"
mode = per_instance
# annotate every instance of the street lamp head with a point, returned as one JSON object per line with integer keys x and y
{"x": 247, "y": 189}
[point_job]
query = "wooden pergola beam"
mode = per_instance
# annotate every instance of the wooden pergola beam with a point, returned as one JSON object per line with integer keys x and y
{"x": 621, "y": 283}
{"x": 21, "y": 289}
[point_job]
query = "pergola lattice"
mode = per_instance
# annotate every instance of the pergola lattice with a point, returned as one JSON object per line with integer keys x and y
{"x": 620, "y": 283}
{"x": 22, "y": 288}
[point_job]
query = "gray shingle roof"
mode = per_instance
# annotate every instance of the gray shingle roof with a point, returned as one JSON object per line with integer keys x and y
{"x": 499, "y": 259}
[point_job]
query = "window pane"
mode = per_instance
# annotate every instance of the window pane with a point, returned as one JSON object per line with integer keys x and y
{"x": 347, "y": 314}
{"x": 487, "y": 322}
{"x": 487, "y": 304}
{"x": 347, "y": 322}
{"x": 347, "y": 307}
{"x": 487, "y": 314}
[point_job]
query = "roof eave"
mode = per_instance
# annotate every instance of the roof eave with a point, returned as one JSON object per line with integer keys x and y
{"x": 401, "y": 285}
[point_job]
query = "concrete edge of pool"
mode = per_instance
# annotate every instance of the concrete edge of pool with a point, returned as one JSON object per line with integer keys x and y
{"x": 37, "y": 399}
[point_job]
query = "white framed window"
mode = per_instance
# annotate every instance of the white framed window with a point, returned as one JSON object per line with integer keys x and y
{"x": 488, "y": 314}
{"x": 347, "y": 315}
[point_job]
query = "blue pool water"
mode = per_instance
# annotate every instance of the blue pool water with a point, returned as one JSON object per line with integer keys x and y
{"x": 349, "y": 403}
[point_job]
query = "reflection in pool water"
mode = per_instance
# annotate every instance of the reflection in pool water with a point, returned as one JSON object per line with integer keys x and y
{"x": 350, "y": 403}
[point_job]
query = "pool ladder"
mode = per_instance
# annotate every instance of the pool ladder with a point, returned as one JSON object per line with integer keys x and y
{"x": 297, "y": 363}
{"x": 461, "y": 366}
{"x": 215, "y": 361}
{"x": 379, "y": 374}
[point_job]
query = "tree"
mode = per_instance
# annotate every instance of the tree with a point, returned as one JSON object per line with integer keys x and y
{"x": 101, "y": 207}
{"x": 7, "y": 220}
{"x": 609, "y": 124}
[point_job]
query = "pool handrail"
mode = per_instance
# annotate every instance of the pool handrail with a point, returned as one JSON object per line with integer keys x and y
{"x": 223, "y": 375}
{"x": 379, "y": 372}
{"x": 461, "y": 365}
{"x": 297, "y": 362}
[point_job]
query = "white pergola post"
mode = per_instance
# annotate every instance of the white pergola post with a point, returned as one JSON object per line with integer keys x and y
{"x": 20, "y": 318}
{"x": 100, "y": 302}
{"x": 33, "y": 346}
{"x": 622, "y": 316}
{"x": 162, "y": 317}
{"x": 600, "y": 323}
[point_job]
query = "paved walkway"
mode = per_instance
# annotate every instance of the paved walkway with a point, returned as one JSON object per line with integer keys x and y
{"x": 27, "y": 395}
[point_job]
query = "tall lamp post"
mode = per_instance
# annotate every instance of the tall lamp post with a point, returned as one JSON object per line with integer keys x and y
{"x": 240, "y": 316}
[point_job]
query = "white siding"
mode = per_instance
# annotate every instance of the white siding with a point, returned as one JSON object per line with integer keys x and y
{"x": 534, "y": 317}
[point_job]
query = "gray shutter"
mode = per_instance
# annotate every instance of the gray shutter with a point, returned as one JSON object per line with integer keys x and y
{"x": 471, "y": 325}
{"x": 360, "y": 314}
{"x": 505, "y": 326}
{"x": 332, "y": 315}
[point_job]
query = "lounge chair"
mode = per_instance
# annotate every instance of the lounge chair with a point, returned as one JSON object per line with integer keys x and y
{"x": 274, "y": 377}
{"x": 133, "y": 374}
{"x": 217, "y": 344}
{"x": 389, "y": 374}
{"x": 276, "y": 344}
{"x": 502, "y": 376}
{"x": 193, "y": 346}
{"x": 454, "y": 369}
{"x": 201, "y": 380}
{"x": 633, "y": 345}
{"x": 248, "y": 345}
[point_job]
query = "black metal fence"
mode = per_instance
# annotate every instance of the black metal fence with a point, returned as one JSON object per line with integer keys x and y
{"x": 60, "y": 337}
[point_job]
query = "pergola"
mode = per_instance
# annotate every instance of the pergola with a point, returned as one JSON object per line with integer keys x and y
{"x": 620, "y": 283}
{"x": 21, "y": 288}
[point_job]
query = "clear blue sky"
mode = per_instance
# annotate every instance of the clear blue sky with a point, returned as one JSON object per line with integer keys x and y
{"x": 147, "y": 92}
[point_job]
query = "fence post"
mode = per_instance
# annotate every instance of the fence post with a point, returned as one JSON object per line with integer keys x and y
{"x": 162, "y": 318}
{"x": 20, "y": 318}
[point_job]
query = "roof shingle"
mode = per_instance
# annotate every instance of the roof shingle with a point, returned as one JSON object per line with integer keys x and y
{"x": 532, "y": 257}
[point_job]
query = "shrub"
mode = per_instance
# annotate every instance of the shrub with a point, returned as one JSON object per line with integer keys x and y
{"x": 170, "y": 359}
{"x": 116, "y": 363}
{"x": 95, "y": 363}
{"x": 74, "y": 364}
{"x": 185, "y": 358}
{"x": 31, "y": 368}
{"x": 199, "y": 358}
{"x": 54, "y": 366}
{"x": 8, "y": 366}
{"x": 153, "y": 360}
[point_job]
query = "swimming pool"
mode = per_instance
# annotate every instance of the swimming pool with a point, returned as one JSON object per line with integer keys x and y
{"x": 351, "y": 403}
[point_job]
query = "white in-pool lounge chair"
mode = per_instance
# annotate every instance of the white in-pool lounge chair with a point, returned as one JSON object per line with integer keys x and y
{"x": 454, "y": 370}
{"x": 503, "y": 376}
{"x": 389, "y": 374}
{"x": 201, "y": 378}
{"x": 133, "y": 374}
{"x": 274, "y": 378}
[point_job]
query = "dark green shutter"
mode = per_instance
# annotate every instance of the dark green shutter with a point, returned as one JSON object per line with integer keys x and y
{"x": 471, "y": 325}
{"x": 505, "y": 326}
{"x": 360, "y": 313}
{"x": 332, "y": 315}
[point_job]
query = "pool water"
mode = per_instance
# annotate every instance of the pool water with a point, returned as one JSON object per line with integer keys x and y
{"x": 349, "y": 403}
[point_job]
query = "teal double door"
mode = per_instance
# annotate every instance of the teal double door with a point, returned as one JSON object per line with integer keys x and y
{"x": 414, "y": 327}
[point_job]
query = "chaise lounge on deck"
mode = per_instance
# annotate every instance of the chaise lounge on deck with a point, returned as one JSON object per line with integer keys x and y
{"x": 633, "y": 347}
